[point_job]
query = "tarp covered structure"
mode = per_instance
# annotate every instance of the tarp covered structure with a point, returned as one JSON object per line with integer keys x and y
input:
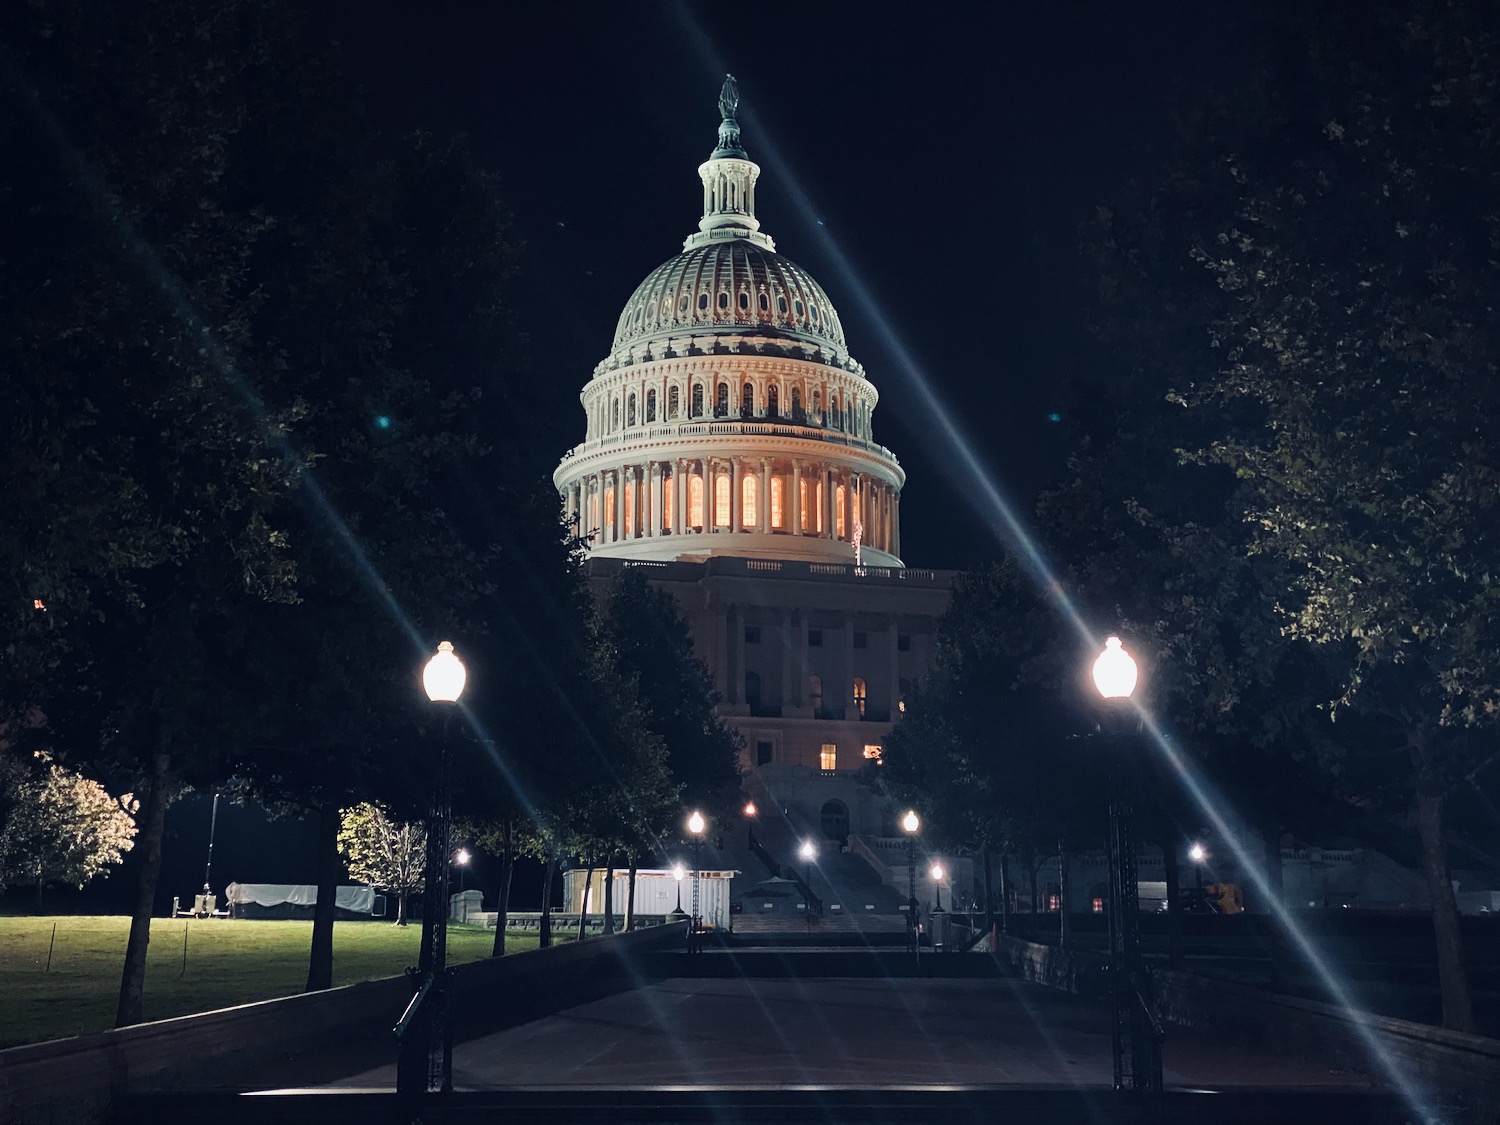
{"x": 356, "y": 900}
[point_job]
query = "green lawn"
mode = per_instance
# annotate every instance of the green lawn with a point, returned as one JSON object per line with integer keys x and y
{"x": 228, "y": 962}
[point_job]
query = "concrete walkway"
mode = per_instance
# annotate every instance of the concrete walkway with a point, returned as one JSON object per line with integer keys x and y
{"x": 864, "y": 1032}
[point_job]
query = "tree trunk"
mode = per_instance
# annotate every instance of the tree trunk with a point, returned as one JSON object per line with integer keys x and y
{"x": 630, "y": 898}
{"x": 1453, "y": 978}
{"x": 1005, "y": 892}
{"x": 989, "y": 893}
{"x": 502, "y": 896}
{"x": 40, "y": 883}
{"x": 544, "y": 928}
{"x": 401, "y": 908}
{"x": 583, "y": 902}
{"x": 609, "y": 895}
{"x": 1172, "y": 872}
{"x": 320, "y": 960}
{"x": 153, "y": 824}
{"x": 1064, "y": 895}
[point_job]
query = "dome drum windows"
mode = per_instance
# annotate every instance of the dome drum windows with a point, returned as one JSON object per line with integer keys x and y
{"x": 650, "y": 406}
{"x": 697, "y": 406}
{"x": 630, "y": 411}
{"x": 721, "y": 402}
{"x": 773, "y": 403}
{"x": 674, "y": 402}
{"x": 747, "y": 401}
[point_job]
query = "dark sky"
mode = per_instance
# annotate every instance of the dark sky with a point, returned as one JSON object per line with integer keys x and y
{"x": 947, "y": 153}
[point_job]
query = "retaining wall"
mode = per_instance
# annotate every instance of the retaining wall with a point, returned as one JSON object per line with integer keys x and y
{"x": 75, "y": 1080}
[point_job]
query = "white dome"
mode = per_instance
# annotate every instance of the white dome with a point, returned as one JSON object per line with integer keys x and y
{"x": 735, "y": 286}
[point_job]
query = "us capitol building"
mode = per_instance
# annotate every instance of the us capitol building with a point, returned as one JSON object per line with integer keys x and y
{"x": 730, "y": 449}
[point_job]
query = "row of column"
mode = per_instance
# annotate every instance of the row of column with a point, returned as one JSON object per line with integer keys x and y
{"x": 684, "y": 496}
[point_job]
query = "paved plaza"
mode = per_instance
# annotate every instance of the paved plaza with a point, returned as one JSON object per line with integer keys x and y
{"x": 757, "y": 1032}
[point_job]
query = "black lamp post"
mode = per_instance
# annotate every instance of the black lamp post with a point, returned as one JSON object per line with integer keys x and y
{"x": 426, "y": 1029}
{"x": 696, "y": 826}
{"x": 1133, "y": 1039}
{"x": 909, "y": 825}
{"x": 809, "y": 852}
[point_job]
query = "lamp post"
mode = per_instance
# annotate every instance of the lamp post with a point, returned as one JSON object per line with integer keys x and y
{"x": 696, "y": 826}
{"x": 1197, "y": 853}
{"x": 750, "y": 811}
{"x": 939, "y": 918}
{"x": 1133, "y": 1037}
{"x": 936, "y": 871}
{"x": 910, "y": 824}
{"x": 426, "y": 1059}
{"x": 679, "y": 873}
{"x": 809, "y": 852}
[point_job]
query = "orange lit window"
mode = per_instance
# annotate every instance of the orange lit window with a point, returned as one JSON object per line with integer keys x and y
{"x": 838, "y": 511}
{"x": 776, "y": 490}
{"x": 627, "y": 499}
{"x": 721, "y": 500}
{"x": 859, "y": 696}
{"x": 872, "y": 751}
{"x": 695, "y": 502}
{"x": 828, "y": 758}
{"x": 668, "y": 486}
{"x": 609, "y": 507}
{"x": 747, "y": 502}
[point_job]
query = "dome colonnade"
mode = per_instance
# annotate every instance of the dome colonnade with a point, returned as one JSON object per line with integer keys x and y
{"x": 729, "y": 417}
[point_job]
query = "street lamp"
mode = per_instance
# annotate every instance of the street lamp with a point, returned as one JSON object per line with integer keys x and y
{"x": 1131, "y": 1024}
{"x": 695, "y": 826}
{"x": 426, "y": 1058}
{"x": 1197, "y": 853}
{"x": 750, "y": 811}
{"x": 936, "y": 871}
{"x": 678, "y": 873}
{"x": 910, "y": 824}
{"x": 809, "y": 852}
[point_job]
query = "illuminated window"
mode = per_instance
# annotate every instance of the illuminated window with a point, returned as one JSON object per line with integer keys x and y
{"x": 697, "y": 400}
{"x": 859, "y": 696}
{"x": 666, "y": 306}
{"x": 668, "y": 486}
{"x": 748, "y": 514}
{"x": 817, "y": 494}
{"x": 747, "y": 400}
{"x": 627, "y": 500}
{"x": 872, "y": 751}
{"x": 650, "y": 406}
{"x": 805, "y": 512}
{"x": 828, "y": 758}
{"x": 674, "y": 402}
{"x": 777, "y": 488}
{"x": 773, "y": 401}
{"x": 682, "y": 303}
{"x": 838, "y": 511}
{"x": 721, "y": 500}
{"x": 695, "y": 502}
{"x": 37, "y": 603}
{"x": 609, "y": 507}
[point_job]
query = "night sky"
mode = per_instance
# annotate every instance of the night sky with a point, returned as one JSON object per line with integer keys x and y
{"x": 948, "y": 156}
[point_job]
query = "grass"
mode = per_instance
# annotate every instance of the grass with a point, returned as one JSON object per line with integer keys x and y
{"x": 228, "y": 962}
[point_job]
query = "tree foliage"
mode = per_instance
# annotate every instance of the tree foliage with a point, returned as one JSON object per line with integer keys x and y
{"x": 385, "y": 852}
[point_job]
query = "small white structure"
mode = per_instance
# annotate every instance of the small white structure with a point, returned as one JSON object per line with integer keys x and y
{"x": 291, "y": 899}
{"x": 656, "y": 893}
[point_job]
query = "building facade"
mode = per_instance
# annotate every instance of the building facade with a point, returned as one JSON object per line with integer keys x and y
{"x": 729, "y": 447}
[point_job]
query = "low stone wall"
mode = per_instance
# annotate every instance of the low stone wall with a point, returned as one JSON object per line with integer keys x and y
{"x": 1071, "y": 970}
{"x": 75, "y": 1080}
{"x": 1458, "y": 1074}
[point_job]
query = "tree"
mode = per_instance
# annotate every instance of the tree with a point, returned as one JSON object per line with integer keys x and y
{"x": 384, "y": 852}
{"x": 60, "y": 827}
{"x": 1341, "y": 237}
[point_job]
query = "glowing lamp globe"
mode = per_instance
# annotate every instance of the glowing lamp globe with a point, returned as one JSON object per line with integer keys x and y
{"x": 808, "y": 851}
{"x": 462, "y": 857}
{"x": 909, "y": 822}
{"x": 696, "y": 824}
{"x": 937, "y": 872}
{"x": 444, "y": 675}
{"x": 1197, "y": 854}
{"x": 749, "y": 808}
{"x": 1114, "y": 671}
{"x": 679, "y": 872}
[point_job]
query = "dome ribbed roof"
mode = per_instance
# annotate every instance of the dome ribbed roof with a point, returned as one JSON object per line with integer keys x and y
{"x": 733, "y": 286}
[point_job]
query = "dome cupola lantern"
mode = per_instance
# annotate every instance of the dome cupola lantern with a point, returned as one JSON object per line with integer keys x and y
{"x": 728, "y": 177}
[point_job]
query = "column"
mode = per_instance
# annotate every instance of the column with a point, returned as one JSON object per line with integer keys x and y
{"x": 710, "y": 494}
{"x": 784, "y": 624}
{"x": 796, "y": 505}
{"x": 736, "y": 496}
{"x": 893, "y": 647}
{"x": 896, "y": 524}
{"x": 763, "y": 500}
{"x": 825, "y": 506}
